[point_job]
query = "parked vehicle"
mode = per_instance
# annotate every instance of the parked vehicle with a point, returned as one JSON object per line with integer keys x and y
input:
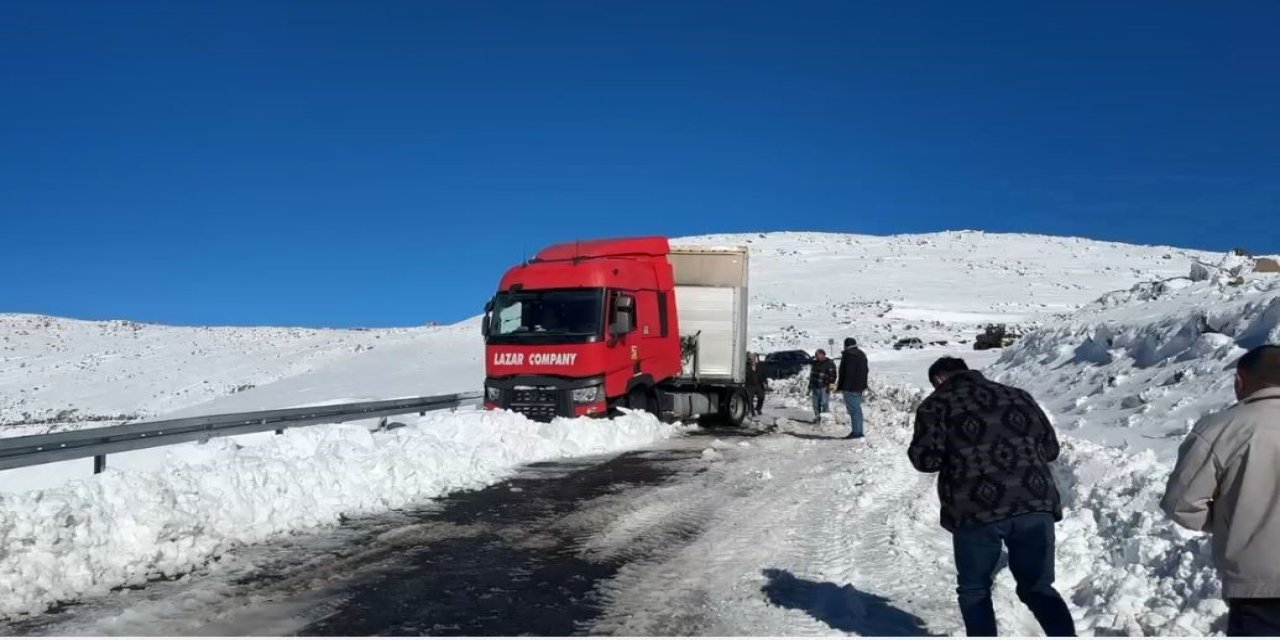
{"x": 995, "y": 336}
{"x": 784, "y": 364}
{"x": 908, "y": 343}
{"x": 587, "y": 328}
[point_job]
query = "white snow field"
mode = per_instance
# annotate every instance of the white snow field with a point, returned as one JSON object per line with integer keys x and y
{"x": 1120, "y": 351}
{"x": 72, "y": 373}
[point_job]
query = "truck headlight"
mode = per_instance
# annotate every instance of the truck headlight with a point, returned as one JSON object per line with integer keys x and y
{"x": 492, "y": 394}
{"x": 587, "y": 395}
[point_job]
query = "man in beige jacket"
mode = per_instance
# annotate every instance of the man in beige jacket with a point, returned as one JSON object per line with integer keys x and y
{"x": 1227, "y": 482}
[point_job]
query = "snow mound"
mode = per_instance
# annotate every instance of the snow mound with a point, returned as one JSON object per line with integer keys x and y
{"x": 1130, "y": 569}
{"x": 1228, "y": 267}
{"x": 1139, "y": 367}
{"x": 124, "y": 528}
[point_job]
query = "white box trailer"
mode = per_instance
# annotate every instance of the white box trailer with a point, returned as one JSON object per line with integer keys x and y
{"x": 711, "y": 309}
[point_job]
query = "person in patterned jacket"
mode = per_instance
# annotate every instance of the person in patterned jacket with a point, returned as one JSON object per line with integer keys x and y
{"x": 991, "y": 446}
{"x": 822, "y": 381}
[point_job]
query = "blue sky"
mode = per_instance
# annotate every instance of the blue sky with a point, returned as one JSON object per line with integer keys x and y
{"x": 380, "y": 163}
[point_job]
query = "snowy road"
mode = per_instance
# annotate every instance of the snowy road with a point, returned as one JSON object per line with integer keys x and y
{"x": 789, "y": 533}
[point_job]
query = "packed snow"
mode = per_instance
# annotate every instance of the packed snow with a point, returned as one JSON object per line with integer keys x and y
{"x": 803, "y": 535}
{"x": 123, "y": 528}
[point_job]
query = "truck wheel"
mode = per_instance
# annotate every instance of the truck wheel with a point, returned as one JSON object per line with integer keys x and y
{"x": 641, "y": 400}
{"x": 733, "y": 410}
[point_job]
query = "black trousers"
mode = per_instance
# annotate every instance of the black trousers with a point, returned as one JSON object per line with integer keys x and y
{"x": 757, "y": 400}
{"x": 1253, "y": 617}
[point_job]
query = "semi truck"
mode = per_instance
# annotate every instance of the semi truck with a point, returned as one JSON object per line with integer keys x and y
{"x": 590, "y": 328}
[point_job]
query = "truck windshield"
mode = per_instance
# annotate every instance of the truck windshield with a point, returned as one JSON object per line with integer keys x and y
{"x": 550, "y": 316}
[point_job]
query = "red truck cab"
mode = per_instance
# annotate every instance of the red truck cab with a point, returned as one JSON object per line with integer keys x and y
{"x": 587, "y": 327}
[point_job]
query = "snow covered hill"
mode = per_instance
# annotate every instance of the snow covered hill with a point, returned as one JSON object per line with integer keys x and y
{"x": 72, "y": 373}
{"x": 807, "y": 289}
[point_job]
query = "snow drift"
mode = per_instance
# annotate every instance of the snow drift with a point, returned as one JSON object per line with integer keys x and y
{"x": 1138, "y": 368}
{"x": 126, "y": 527}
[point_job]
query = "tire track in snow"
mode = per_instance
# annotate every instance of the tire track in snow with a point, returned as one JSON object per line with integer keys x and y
{"x": 812, "y": 540}
{"x": 809, "y": 536}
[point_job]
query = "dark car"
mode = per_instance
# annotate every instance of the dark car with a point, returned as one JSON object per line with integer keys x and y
{"x": 908, "y": 343}
{"x": 784, "y": 364}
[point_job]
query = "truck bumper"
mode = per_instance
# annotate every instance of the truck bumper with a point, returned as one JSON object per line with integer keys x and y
{"x": 543, "y": 398}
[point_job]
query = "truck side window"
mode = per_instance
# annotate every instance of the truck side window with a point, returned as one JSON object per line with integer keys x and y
{"x": 662, "y": 314}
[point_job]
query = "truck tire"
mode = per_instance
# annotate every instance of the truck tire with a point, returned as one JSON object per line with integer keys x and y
{"x": 734, "y": 408}
{"x": 641, "y": 399}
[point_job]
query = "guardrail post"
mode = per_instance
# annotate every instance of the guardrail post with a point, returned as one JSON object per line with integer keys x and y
{"x": 100, "y": 463}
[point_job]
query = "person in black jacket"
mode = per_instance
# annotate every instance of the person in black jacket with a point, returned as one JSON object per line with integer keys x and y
{"x": 991, "y": 446}
{"x": 852, "y": 383}
{"x": 822, "y": 381}
{"x": 755, "y": 384}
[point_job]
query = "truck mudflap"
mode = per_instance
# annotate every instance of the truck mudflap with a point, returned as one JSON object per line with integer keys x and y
{"x": 544, "y": 398}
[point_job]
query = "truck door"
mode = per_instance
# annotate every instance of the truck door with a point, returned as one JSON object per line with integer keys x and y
{"x": 649, "y": 328}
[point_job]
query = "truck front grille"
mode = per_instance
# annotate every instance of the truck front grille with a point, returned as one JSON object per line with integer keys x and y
{"x": 535, "y": 404}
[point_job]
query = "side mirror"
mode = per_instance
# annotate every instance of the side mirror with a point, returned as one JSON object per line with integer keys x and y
{"x": 624, "y": 316}
{"x": 484, "y": 322}
{"x": 623, "y": 325}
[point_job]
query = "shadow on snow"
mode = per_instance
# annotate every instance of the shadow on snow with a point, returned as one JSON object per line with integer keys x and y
{"x": 843, "y": 608}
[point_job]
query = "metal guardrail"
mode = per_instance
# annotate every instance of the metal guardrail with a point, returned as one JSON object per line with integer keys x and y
{"x": 25, "y": 451}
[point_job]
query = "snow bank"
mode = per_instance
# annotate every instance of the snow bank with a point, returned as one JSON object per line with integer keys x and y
{"x": 126, "y": 527}
{"x": 1137, "y": 368}
{"x": 1124, "y": 566}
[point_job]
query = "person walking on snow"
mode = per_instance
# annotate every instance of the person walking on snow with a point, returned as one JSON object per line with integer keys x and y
{"x": 852, "y": 382}
{"x": 822, "y": 381}
{"x": 1227, "y": 482}
{"x": 756, "y": 386}
{"x": 991, "y": 446}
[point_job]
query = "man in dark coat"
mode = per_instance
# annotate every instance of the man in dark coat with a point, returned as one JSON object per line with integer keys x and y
{"x": 756, "y": 386}
{"x": 991, "y": 445}
{"x": 822, "y": 381}
{"x": 852, "y": 383}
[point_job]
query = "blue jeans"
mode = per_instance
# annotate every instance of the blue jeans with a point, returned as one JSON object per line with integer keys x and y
{"x": 1030, "y": 540}
{"x": 820, "y": 405}
{"x": 853, "y": 402}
